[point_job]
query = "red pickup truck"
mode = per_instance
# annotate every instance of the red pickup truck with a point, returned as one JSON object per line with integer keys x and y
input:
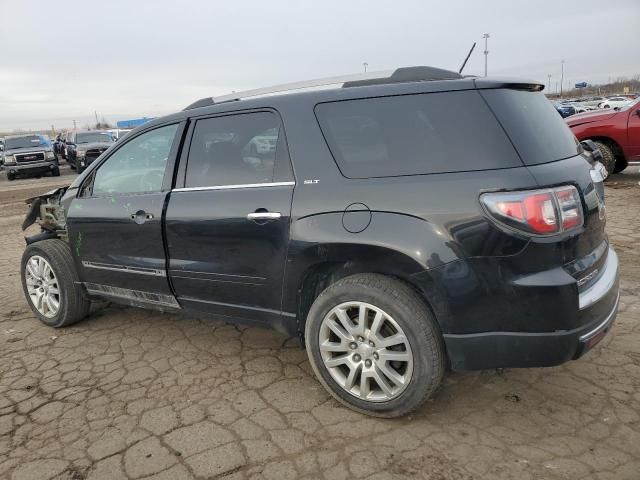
{"x": 615, "y": 131}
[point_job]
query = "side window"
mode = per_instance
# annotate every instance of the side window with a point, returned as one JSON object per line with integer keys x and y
{"x": 234, "y": 150}
{"x": 138, "y": 166}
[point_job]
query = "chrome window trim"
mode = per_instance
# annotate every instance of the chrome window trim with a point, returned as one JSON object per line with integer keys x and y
{"x": 235, "y": 187}
{"x": 603, "y": 285}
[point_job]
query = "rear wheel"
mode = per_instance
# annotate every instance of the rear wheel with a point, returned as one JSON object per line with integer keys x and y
{"x": 51, "y": 284}
{"x": 374, "y": 345}
{"x": 11, "y": 176}
{"x": 608, "y": 158}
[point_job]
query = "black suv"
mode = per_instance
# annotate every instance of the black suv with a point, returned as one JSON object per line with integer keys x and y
{"x": 398, "y": 223}
{"x": 30, "y": 154}
{"x": 84, "y": 147}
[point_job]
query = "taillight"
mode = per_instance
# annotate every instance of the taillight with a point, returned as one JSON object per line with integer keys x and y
{"x": 538, "y": 212}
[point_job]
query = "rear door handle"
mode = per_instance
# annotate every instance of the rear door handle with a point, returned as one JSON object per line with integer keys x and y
{"x": 264, "y": 216}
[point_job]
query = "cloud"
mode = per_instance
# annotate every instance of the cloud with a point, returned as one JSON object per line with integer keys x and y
{"x": 124, "y": 58}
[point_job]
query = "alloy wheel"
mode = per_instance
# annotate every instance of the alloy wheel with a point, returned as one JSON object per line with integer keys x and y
{"x": 365, "y": 351}
{"x": 42, "y": 286}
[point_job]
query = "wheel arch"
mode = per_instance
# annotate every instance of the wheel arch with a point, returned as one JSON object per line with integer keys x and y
{"x": 617, "y": 150}
{"x": 316, "y": 276}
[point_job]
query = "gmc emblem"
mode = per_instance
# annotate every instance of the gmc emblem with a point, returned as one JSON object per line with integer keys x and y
{"x": 30, "y": 157}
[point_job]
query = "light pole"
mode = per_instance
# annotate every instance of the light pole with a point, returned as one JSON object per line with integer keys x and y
{"x": 486, "y": 51}
{"x": 561, "y": 76}
{"x": 549, "y": 76}
{"x": 365, "y": 65}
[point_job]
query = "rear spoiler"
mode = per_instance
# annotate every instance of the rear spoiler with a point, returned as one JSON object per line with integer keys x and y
{"x": 511, "y": 83}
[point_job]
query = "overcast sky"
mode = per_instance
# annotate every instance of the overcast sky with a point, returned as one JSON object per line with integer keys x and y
{"x": 62, "y": 60}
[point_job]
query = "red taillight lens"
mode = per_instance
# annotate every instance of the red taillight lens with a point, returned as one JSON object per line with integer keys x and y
{"x": 539, "y": 212}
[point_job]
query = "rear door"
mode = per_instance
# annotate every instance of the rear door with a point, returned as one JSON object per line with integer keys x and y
{"x": 227, "y": 223}
{"x": 115, "y": 224}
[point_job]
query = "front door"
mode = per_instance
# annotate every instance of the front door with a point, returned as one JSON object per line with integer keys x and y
{"x": 115, "y": 223}
{"x": 228, "y": 223}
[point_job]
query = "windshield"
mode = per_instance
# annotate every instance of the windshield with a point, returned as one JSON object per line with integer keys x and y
{"x": 94, "y": 137}
{"x": 539, "y": 134}
{"x": 26, "y": 142}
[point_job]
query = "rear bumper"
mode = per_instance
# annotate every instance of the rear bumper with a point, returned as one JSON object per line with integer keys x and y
{"x": 478, "y": 351}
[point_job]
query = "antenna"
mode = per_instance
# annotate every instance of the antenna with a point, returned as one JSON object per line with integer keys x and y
{"x": 467, "y": 59}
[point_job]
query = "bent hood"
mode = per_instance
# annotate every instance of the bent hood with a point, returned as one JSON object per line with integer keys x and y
{"x": 588, "y": 117}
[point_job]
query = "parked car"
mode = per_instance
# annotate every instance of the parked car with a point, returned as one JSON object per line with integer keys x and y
{"x": 613, "y": 102}
{"x": 84, "y": 147}
{"x": 592, "y": 101}
{"x": 58, "y": 145}
{"x": 565, "y": 109}
{"x": 29, "y": 155}
{"x": 393, "y": 235}
{"x": 615, "y": 131}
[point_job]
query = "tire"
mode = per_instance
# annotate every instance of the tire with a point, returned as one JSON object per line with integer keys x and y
{"x": 398, "y": 301}
{"x": 11, "y": 176}
{"x": 73, "y": 304}
{"x": 608, "y": 158}
{"x": 620, "y": 166}
{"x": 79, "y": 170}
{"x": 55, "y": 172}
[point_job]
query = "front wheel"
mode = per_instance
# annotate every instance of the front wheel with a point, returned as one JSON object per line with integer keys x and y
{"x": 51, "y": 285}
{"x": 55, "y": 172}
{"x": 374, "y": 345}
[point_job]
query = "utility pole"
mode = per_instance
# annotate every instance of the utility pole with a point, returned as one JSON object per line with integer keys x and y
{"x": 74, "y": 125}
{"x": 561, "y": 77}
{"x": 486, "y": 51}
{"x": 96, "y": 114}
{"x": 549, "y": 76}
{"x": 53, "y": 130}
{"x": 365, "y": 65}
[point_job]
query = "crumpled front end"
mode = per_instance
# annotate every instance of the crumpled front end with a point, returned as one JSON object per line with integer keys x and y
{"x": 48, "y": 211}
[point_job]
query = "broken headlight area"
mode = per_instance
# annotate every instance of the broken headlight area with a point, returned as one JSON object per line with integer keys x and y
{"x": 47, "y": 211}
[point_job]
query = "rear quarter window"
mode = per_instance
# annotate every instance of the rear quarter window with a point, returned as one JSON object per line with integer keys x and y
{"x": 415, "y": 134}
{"x": 539, "y": 134}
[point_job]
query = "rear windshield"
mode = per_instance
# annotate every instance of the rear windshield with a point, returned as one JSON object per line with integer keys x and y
{"x": 415, "y": 134}
{"x": 25, "y": 142}
{"x": 539, "y": 134}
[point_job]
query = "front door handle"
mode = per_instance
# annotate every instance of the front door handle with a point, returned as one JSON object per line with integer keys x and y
{"x": 141, "y": 216}
{"x": 263, "y": 215}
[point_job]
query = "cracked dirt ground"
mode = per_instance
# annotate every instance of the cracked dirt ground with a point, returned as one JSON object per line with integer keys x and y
{"x": 137, "y": 394}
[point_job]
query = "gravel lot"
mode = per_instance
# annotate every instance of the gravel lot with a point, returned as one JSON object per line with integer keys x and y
{"x": 136, "y": 394}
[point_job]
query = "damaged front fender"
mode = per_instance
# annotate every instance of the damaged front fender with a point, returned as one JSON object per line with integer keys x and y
{"x": 48, "y": 211}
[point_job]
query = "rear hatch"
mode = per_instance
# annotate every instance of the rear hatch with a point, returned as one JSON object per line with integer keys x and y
{"x": 554, "y": 157}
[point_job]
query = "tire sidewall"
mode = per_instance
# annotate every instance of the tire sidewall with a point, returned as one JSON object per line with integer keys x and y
{"x": 414, "y": 393}
{"x": 65, "y": 290}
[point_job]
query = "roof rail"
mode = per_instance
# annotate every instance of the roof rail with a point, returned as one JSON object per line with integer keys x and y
{"x": 399, "y": 75}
